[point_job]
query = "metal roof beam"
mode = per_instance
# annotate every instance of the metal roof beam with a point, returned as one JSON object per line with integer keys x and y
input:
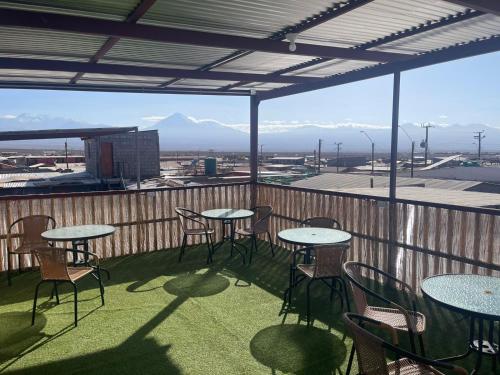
{"x": 119, "y": 89}
{"x": 486, "y": 6}
{"x": 422, "y": 28}
{"x": 133, "y": 17}
{"x": 431, "y": 58}
{"x": 95, "y": 26}
{"x": 129, "y": 70}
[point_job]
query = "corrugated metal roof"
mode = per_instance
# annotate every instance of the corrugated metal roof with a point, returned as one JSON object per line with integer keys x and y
{"x": 257, "y": 19}
{"x": 107, "y": 9}
{"x": 332, "y": 181}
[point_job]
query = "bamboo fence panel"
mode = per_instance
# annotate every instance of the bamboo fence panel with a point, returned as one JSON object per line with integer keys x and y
{"x": 144, "y": 220}
{"x": 431, "y": 239}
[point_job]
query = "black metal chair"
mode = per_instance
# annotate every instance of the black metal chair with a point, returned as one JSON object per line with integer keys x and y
{"x": 259, "y": 225}
{"x": 29, "y": 231}
{"x": 394, "y": 317}
{"x": 192, "y": 225}
{"x": 371, "y": 353}
{"x": 54, "y": 269}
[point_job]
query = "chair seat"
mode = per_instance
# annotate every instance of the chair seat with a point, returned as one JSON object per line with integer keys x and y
{"x": 198, "y": 231}
{"x": 308, "y": 270}
{"x": 27, "y": 248}
{"x": 76, "y": 273}
{"x": 405, "y": 366}
{"x": 395, "y": 318}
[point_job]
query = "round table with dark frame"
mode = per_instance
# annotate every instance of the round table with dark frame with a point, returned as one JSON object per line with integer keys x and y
{"x": 79, "y": 235}
{"x": 477, "y": 297}
{"x": 308, "y": 237}
{"x": 228, "y": 216}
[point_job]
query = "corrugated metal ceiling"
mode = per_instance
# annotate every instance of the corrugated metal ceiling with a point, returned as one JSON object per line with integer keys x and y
{"x": 259, "y": 19}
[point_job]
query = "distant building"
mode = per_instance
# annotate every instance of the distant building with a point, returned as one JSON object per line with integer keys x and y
{"x": 115, "y": 155}
{"x": 288, "y": 160}
{"x": 347, "y": 161}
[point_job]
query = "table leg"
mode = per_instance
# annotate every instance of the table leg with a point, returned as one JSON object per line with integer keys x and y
{"x": 86, "y": 252}
{"x": 75, "y": 254}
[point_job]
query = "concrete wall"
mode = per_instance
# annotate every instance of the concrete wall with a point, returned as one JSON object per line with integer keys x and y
{"x": 124, "y": 154}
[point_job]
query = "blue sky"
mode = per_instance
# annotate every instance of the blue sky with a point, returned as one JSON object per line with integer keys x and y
{"x": 464, "y": 91}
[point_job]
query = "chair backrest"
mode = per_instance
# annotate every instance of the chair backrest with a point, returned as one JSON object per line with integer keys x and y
{"x": 369, "y": 348}
{"x": 53, "y": 263}
{"x": 189, "y": 219}
{"x": 329, "y": 260}
{"x": 31, "y": 229}
{"x": 353, "y": 272}
{"x": 321, "y": 222}
{"x": 260, "y": 220}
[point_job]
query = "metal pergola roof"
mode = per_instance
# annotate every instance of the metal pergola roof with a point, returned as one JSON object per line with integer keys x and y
{"x": 229, "y": 47}
{"x": 82, "y": 133}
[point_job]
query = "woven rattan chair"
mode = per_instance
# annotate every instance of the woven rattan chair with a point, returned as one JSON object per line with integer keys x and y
{"x": 29, "y": 230}
{"x": 327, "y": 266}
{"x": 192, "y": 225}
{"x": 54, "y": 269}
{"x": 371, "y": 353}
{"x": 395, "y": 317}
{"x": 320, "y": 222}
{"x": 259, "y": 225}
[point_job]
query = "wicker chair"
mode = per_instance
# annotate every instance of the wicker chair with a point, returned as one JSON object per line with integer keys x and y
{"x": 321, "y": 222}
{"x": 192, "y": 225}
{"x": 29, "y": 229}
{"x": 327, "y": 266}
{"x": 371, "y": 353}
{"x": 395, "y": 317}
{"x": 260, "y": 225}
{"x": 54, "y": 269}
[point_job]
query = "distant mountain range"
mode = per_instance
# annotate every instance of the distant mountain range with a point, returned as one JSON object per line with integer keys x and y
{"x": 180, "y": 132}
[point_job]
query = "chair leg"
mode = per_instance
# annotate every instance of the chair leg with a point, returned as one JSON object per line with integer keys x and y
{"x": 271, "y": 243}
{"x": 19, "y": 264}
{"x": 308, "y": 298}
{"x": 34, "y": 302}
{"x": 346, "y": 294}
{"x": 75, "y": 290}
{"x": 9, "y": 281}
{"x": 101, "y": 287}
{"x": 253, "y": 244}
{"x": 56, "y": 292}
{"x": 209, "y": 257}
{"x": 351, "y": 357}
{"x": 183, "y": 246}
{"x": 421, "y": 342}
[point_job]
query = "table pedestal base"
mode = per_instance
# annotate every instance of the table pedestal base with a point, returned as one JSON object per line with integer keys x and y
{"x": 229, "y": 238}
{"x": 85, "y": 260}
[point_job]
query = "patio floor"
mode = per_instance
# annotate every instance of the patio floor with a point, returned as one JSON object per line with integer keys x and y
{"x": 164, "y": 317}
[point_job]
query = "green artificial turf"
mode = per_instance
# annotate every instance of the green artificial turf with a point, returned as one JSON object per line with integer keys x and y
{"x": 165, "y": 317}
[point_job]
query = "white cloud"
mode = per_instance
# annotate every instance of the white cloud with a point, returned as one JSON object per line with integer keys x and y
{"x": 8, "y": 117}
{"x": 443, "y": 117}
{"x": 153, "y": 118}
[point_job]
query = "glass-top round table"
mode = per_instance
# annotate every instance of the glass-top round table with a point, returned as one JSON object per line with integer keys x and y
{"x": 228, "y": 216}
{"x": 476, "y": 296}
{"x": 309, "y": 236}
{"x": 79, "y": 235}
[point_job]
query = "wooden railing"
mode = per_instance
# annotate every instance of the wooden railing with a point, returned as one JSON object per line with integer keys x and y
{"x": 145, "y": 220}
{"x": 431, "y": 238}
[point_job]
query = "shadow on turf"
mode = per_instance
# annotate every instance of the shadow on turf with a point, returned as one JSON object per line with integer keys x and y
{"x": 298, "y": 349}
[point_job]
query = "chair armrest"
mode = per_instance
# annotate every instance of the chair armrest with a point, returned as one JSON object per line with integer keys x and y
{"x": 426, "y": 361}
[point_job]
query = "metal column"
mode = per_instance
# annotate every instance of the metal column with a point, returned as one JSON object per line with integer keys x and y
{"x": 254, "y": 147}
{"x": 137, "y": 158}
{"x": 393, "y": 219}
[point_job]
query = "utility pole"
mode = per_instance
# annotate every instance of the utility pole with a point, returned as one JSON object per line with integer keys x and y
{"x": 319, "y": 155}
{"x": 261, "y": 160}
{"x": 338, "y": 144}
{"x": 66, "y": 153}
{"x": 479, "y": 138}
{"x": 426, "y": 126}
{"x": 412, "y": 148}
{"x": 373, "y": 150}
